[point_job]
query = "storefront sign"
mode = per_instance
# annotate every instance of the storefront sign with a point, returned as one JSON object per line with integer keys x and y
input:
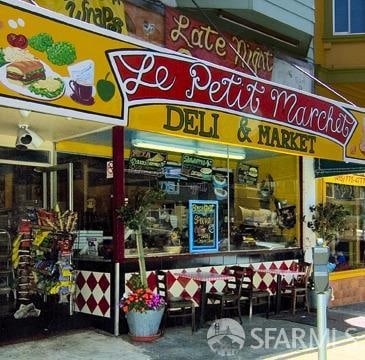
{"x": 106, "y": 14}
{"x": 203, "y": 226}
{"x": 196, "y": 167}
{"x": 47, "y": 64}
{"x": 147, "y": 160}
{"x": 192, "y": 37}
{"x": 352, "y": 180}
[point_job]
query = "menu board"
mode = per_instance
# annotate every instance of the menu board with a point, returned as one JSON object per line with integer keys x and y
{"x": 247, "y": 174}
{"x": 140, "y": 159}
{"x": 196, "y": 167}
{"x": 203, "y": 226}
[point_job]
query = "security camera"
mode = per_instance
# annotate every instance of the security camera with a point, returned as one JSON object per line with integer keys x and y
{"x": 27, "y": 139}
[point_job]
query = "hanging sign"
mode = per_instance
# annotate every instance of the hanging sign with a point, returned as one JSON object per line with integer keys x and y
{"x": 196, "y": 167}
{"x": 147, "y": 160}
{"x": 203, "y": 225}
{"x": 247, "y": 174}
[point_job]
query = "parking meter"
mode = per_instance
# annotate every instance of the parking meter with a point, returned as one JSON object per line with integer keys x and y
{"x": 320, "y": 271}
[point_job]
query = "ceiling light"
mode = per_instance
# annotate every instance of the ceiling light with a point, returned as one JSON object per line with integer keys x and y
{"x": 163, "y": 147}
{"x": 233, "y": 156}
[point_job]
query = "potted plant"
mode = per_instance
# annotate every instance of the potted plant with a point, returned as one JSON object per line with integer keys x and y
{"x": 143, "y": 308}
{"x": 328, "y": 221}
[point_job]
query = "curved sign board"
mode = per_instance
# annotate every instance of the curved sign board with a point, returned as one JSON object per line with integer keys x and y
{"x": 63, "y": 66}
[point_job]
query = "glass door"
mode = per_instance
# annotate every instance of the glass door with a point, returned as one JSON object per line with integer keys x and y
{"x": 58, "y": 187}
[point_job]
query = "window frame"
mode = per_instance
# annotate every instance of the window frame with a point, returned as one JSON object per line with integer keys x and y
{"x": 348, "y": 32}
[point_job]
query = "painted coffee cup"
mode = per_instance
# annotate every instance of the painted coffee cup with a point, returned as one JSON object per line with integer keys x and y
{"x": 81, "y": 90}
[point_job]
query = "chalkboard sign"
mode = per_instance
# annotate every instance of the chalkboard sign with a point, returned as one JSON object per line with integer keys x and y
{"x": 147, "y": 160}
{"x": 196, "y": 167}
{"x": 203, "y": 225}
{"x": 247, "y": 174}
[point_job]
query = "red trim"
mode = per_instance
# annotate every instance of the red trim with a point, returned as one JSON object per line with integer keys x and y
{"x": 118, "y": 192}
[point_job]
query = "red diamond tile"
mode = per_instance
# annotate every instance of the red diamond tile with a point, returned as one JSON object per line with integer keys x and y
{"x": 104, "y": 283}
{"x": 197, "y": 296}
{"x": 80, "y": 301}
{"x": 91, "y": 281}
{"x": 91, "y": 303}
{"x": 283, "y": 266}
{"x": 170, "y": 279}
{"x": 273, "y": 266}
{"x": 262, "y": 266}
{"x": 80, "y": 280}
{"x": 262, "y": 285}
{"x": 213, "y": 270}
{"x": 183, "y": 281}
{"x": 104, "y": 306}
{"x": 185, "y": 295}
{"x": 225, "y": 270}
{"x": 152, "y": 280}
{"x": 272, "y": 286}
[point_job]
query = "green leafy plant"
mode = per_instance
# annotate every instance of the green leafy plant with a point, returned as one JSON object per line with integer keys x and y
{"x": 134, "y": 214}
{"x": 328, "y": 220}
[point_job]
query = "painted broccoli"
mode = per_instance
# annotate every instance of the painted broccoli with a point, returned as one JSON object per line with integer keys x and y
{"x": 61, "y": 53}
{"x": 41, "y": 41}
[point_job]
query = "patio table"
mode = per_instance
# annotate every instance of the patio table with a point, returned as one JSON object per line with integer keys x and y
{"x": 279, "y": 278}
{"x": 203, "y": 277}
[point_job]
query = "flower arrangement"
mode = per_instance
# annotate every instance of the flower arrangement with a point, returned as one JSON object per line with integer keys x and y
{"x": 141, "y": 300}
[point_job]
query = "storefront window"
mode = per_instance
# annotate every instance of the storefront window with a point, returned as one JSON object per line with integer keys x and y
{"x": 253, "y": 196}
{"x": 349, "y": 248}
{"x": 257, "y": 197}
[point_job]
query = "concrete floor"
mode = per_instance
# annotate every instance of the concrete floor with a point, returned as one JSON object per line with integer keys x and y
{"x": 88, "y": 344}
{"x": 178, "y": 343}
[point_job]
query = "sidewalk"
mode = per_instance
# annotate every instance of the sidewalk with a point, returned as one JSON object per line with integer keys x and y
{"x": 346, "y": 349}
{"x": 263, "y": 338}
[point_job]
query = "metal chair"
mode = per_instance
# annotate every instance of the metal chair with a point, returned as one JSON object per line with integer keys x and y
{"x": 176, "y": 307}
{"x": 298, "y": 287}
{"x": 252, "y": 294}
{"x": 229, "y": 297}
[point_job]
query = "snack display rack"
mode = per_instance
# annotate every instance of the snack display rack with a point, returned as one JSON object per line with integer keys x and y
{"x": 42, "y": 256}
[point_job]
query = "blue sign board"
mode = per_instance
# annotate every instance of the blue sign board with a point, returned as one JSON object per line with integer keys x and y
{"x": 203, "y": 226}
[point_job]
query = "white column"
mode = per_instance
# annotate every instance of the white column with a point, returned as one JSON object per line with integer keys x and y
{"x": 309, "y": 198}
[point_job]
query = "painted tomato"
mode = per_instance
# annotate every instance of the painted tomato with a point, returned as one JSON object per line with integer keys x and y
{"x": 19, "y": 41}
{"x": 11, "y": 38}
